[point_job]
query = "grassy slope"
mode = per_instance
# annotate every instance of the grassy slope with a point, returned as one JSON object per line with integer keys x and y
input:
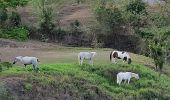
{"x": 101, "y": 77}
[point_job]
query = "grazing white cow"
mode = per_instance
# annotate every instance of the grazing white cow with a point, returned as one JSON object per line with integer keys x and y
{"x": 27, "y": 61}
{"x": 120, "y": 55}
{"x": 126, "y": 76}
{"x": 86, "y": 55}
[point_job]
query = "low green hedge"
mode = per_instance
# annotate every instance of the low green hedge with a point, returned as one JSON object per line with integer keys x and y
{"x": 17, "y": 33}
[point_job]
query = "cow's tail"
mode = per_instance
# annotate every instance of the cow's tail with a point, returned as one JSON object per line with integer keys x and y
{"x": 111, "y": 56}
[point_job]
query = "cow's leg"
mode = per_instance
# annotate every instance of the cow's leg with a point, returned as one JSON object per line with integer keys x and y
{"x": 33, "y": 67}
{"x": 81, "y": 61}
{"x": 125, "y": 81}
{"x": 25, "y": 65}
{"x": 124, "y": 59}
{"x": 156, "y": 67}
{"x": 120, "y": 81}
{"x": 91, "y": 61}
{"x": 113, "y": 60}
{"x": 128, "y": 80}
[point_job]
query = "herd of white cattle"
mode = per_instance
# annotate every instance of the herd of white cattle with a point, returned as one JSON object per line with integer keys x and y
{"x": 126, "y": 76}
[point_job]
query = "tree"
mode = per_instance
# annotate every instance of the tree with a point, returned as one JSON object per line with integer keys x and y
{"x": 4, "y": 4}
{"x": 75, "y": 28}
{"x": 15, "y": 19}
{"x": 157, "y": 39}
{"x": 12, "y": 3}
{"x": 46, "y": 24}
{"x": 136, "y": 7}
{"x": 3, "y": 17}
{"x": 136, "y": 13}
{"x": 109, "y": 17}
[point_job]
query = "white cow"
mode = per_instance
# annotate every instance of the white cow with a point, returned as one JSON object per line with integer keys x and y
{"x": 86, "y": 55}
{"x": 27, "y": 61}
{"x": 126, "y": 76}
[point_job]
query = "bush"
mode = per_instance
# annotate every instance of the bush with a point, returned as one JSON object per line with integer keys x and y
{"x": 3, "y": 16}
{"x": 7, "y": 64}
{"x": 136, "y": 7}
{"x": 148, "y": 94}
{"x": 4, "y": 95}
{"x": 0, "y": 68}
{"x": 15, "y": 19}
{"x": 18, "y": 33}
{"x": 46, "y": 24}
{"x": 28, "y": 87}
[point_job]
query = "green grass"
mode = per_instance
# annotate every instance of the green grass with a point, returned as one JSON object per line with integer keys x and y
{"x": 102, "y": 76}
{"x": 60, "y": 72}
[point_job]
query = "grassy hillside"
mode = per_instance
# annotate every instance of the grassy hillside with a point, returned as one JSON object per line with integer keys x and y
{"x": 71, "y": 81}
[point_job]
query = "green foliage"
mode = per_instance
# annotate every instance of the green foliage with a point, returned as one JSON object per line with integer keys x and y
{"x": 46, "y": 24}
{"x": 157, "y": 39}
{"x": 3, "y": 16}
{"x": 0, "y": 68}
{"x": 76, "y": 28}
{"x": 136, "y": 7}
{"x": 28, "y": 87}
{"x": 18, "y": 33}
{"x": 109, "y": 17}
{"x": 15, "y": 19}
{"x": 98, "y": 80}
{"x": 159, "y": 19}
{"x": 145, "y": 35}
{"x": 157, "y": 54}
{"x": 12, "y": 3}
{"x": 6, "y": 64}
{"x": 4, "y": 95}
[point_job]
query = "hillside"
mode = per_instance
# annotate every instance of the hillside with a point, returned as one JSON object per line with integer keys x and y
{"x": 64, "y": 13}
{"x": 66, "y": 80}
{"x": 56, "y": 31}
{"x": 71, "y": 81}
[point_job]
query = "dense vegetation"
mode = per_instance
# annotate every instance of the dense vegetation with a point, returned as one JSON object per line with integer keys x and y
{"x": 10, "y": 20}
{"x": 117, "y": 25}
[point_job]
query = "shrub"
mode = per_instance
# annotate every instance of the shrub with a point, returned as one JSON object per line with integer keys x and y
{"x": 46, "y": 24}
{"x": 3, "y": 16}
{"x": 0, "y": 68}
{"x": 15, "y": 19}
{"x": 7, "y": 64}
{"x": 148, "y": 94}
{"x": 18, "y": 33}
{"x": 4, "y": 95}
{"x": 28, "y": 87}
{"x": 136, "y": 7}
